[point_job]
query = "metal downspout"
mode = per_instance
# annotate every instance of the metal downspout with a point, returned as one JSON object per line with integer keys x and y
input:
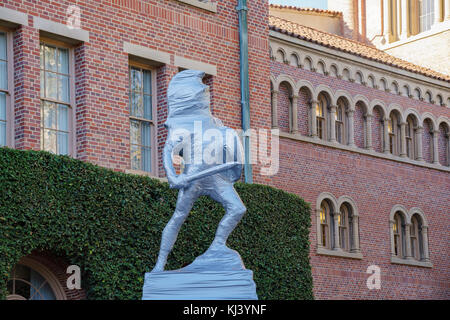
{"x": 245, "y": 91}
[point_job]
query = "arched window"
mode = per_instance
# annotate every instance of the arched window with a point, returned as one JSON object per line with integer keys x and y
{"x": 326, "y": 232}
{"x": 321, "y": 108}
{"x": 345, "y": 222}
{"x": 399, "y": 228}
{"x": 340, "y": 125}
{"x": 416, "y": 238}
{"x": 410, "y": 136}
{"x": 394, "y": 134}
{"x": 31, "y": 280}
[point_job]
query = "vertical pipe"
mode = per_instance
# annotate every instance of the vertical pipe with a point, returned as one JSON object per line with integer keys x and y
{"x": 245, "y": 92}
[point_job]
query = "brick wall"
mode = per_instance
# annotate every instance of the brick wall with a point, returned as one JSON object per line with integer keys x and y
{"x": 376, "y": 185}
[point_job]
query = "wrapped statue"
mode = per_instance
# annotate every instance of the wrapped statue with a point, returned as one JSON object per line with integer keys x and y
{"x": 204, "y": 173}
{"x": 212, "y": 163}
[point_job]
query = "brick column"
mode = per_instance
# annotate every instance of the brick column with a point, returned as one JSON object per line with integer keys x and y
{"x": 419, "y": 133}
{"x": 312, "y": 108}
{"x": 435, "y": 146}
{"x": 27, "y": 88}
{"x": 333, "y": 123}
{"x": 386, "y": 135}
{"x": 275, "y": 109}
{"x": 369, "y": 132}
{"x": 294, "y": 114}
{"x": 351, "y": 128}
{"x": 403, "y": 139}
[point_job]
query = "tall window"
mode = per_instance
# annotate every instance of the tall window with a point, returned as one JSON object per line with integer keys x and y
{"x": 416, "y": 238}
{"x": 410, "y": 138}
{"x": 340, "y": 122}
{"x": 345, "y": 228}
{"x": 399, "y": 235}
{"x": 426, "y": 14}
{"x": 55, "y": 99}
{"x": 3, "y": 87}
{"x": 320, "y": 118}
{"x": 324, "y": 224}
{"x": 141, "y": 118}
{"x": 394, "y": 136}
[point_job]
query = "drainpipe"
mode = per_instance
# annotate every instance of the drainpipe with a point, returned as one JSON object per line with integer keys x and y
{"x": 245, "y": 92}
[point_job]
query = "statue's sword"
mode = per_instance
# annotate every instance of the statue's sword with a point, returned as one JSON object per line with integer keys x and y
{"x": 211, "y": 171}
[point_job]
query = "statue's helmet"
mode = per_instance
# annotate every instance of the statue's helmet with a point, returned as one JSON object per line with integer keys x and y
{"x": 187, "y": 95}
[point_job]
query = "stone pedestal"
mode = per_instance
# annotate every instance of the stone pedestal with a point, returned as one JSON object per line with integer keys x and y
{"x": 218, "y": 274}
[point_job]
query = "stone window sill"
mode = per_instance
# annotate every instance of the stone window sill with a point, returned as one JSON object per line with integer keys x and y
{"x": 339, "y": 253}
{"x": 208, "y": 6}
{"x": 412, "y": 262}
{"x": 144, "y": 173}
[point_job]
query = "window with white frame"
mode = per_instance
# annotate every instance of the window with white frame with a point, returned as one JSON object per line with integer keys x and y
{"x": 4, "y": 87}
{"x": 142, "y": 122}
{"x": 56, "y": 104}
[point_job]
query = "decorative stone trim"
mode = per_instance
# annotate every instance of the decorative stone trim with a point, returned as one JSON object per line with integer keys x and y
{"x": 208, "y": 5}
{"x": 196, "y": 65}
{"x": 60, "y": 29}
{"x": 372, "y": 153}
{"x": 146, "y": 53}
{"x": 339, "y": 253}
{"x": 13, "y": 16}
{"x": 411, "y": 262}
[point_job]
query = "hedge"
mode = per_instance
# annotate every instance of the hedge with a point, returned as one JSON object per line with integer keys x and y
{"x": 110, "y": 223}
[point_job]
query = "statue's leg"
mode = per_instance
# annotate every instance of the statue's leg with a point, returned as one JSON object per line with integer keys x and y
{"x": 234, "y": 211}
{"x": 185, "y": 201}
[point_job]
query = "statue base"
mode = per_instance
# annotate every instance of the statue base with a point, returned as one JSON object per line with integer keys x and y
{"x": 218, "y": 274}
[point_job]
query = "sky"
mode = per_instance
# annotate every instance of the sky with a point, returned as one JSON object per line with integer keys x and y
{"x": 321, "y": 4}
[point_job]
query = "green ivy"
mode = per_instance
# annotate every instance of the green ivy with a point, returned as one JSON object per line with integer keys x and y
{"x": 110, "y": 224}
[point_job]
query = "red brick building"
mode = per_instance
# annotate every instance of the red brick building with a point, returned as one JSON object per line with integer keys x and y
{"x": 364, "y": 137}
